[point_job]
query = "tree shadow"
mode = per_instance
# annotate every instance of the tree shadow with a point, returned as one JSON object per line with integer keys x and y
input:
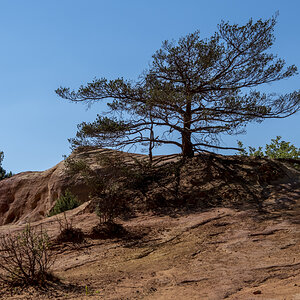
{"x": 242, "y": 183}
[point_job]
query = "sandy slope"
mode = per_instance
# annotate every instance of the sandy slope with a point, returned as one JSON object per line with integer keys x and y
{"x": 218, "y": 254}
{"x": 247, "y": 251}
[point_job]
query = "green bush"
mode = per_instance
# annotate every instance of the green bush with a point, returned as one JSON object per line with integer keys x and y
{"x": 3, "y": 173}
{"x": 276, "y": 149}
{"x": 65, "y": 202}
{"x": 282, "y": 149}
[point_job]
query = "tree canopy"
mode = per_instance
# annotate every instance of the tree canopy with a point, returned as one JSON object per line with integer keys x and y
{"x": 194, "y": 90}
{"x": 3, "y": 173}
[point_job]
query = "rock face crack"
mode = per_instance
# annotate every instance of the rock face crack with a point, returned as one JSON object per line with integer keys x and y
{"x": 192, "y": 280}
{"x": 278, "y": 267}
{"x": 267, "y": 232}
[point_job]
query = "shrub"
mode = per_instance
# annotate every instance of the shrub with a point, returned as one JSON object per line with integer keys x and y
{"x": 276, "y": 149}
{"x": 111, "y": 204}
{"x": 282, "y": 149}
{"x": 68, "y": 233}
{"x": 65, "y": 202}
{"x": 108, "y": 230}
{"x": 25, "y": 258}
{"x": 108, "y": 185}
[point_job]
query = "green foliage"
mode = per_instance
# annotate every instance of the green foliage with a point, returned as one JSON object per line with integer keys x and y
{"x": 252, "y": 151}
{"x": 3, "y": 173}
{"x": 103, "y": 130}
{"x": 25, "y": 258}
{"x": 276, "y": 149}
{"x": 65, "y": 202}
{"x": 282, "y": 149}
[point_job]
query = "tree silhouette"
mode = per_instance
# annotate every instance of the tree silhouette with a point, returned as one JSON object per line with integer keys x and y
{"x": 196, "y": 88}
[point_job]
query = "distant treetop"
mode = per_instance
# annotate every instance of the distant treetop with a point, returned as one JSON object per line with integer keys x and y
{"x": 3, "y": 173}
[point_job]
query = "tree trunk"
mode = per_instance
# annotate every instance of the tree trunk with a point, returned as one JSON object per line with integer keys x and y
{"x": 151, "y": 140}
{"x": 187, "y": 146}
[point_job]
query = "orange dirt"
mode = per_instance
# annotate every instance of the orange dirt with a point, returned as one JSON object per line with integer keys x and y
{"x": 217, "y": 254}
{"x": 241, "y": 252}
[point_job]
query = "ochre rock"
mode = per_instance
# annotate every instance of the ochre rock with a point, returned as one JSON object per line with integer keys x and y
{"x": 28, "y": 196}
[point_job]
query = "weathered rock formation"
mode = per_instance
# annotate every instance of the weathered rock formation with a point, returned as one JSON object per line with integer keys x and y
{"x": 28, "y": 196}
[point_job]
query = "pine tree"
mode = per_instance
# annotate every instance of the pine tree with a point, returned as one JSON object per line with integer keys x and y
{"x": 194, "y": 90}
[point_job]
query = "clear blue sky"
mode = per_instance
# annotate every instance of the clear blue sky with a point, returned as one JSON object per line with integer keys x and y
{"x": 49, "y": 43}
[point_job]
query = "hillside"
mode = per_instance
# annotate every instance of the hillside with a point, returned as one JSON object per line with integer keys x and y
{"x": 238, "y": 237}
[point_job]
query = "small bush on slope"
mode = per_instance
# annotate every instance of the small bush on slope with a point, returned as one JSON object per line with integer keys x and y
{"x": 65, "y": 202}
{"x": 276, "y": 149}
{"x": 108, "y": 187}
{"x": 69, "y": 233}
{"x": 25, "y": 258}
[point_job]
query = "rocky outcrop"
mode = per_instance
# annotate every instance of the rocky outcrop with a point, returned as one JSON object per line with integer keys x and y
{"x": 249, "y": 249}
{"x": 28, "y": 196}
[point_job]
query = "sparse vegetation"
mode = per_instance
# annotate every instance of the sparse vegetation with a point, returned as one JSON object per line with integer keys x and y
{"x": 65, "y": 202}
{"x": 119, "y": 184}
{"x": 107, "y": 186}
{"x": 25, "y": 258}
{"x": 277, "y": 149}
{"x": 120, "y": 181}
{"x": 68, "y": 233}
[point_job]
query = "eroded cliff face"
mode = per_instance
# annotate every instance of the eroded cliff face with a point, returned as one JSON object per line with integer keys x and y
{"x": 28, "y": 196}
